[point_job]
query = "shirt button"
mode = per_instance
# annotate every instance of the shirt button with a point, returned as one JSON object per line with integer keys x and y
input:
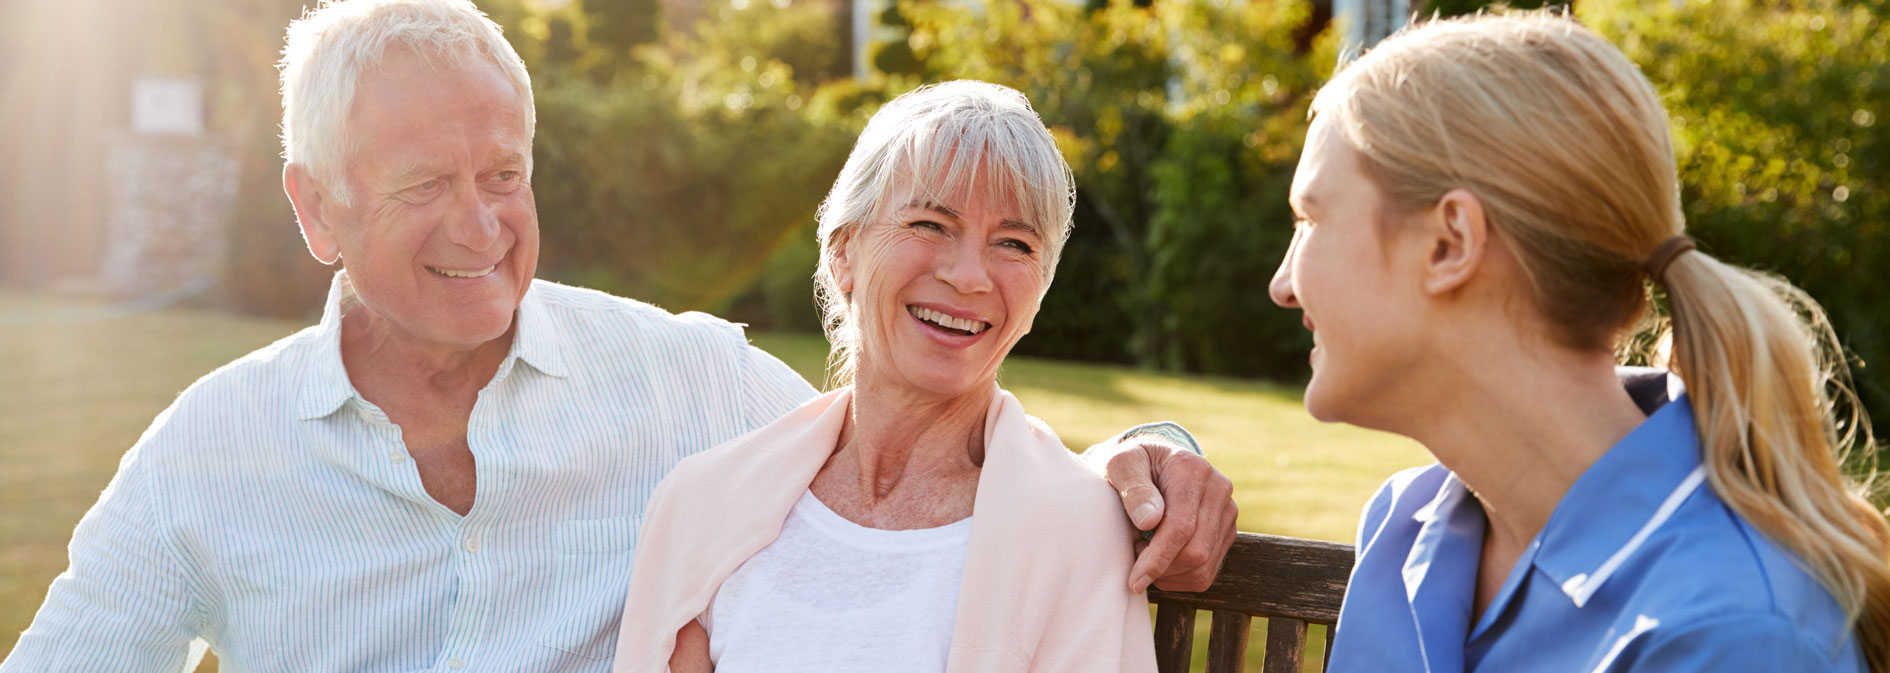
{"x": 457, "y": 663}
{"x": 472, "y": 546}
{"x": 396, "y": 456}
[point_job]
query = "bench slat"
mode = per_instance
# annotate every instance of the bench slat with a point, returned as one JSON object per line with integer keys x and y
{"x": 1327, "y": 662}
{"x": 1174, "y": 638}
{"x": 1227, "y": 641}
{"x": 1280, "y": 577}
{"x": 1286, "y": 646}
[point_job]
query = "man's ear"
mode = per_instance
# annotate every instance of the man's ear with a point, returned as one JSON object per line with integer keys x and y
{"x": 309, "y": 198}
{"x": 1457, "y": 236}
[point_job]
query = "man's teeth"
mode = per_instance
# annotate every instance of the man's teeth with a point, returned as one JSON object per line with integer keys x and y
{"x": 462, "y": 273}
{"x": 943, "y": 320}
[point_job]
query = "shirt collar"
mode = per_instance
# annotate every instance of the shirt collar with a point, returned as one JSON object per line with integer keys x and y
{"x": 538, "y": 342}
{"x": 326, "y": 386}
{"x": 1620, "y": 500}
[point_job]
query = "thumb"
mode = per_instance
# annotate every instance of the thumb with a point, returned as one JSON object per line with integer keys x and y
{"x": 1129, "y": 473}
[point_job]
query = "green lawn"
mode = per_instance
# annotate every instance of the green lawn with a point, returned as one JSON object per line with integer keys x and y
{"x": 74, "y": 394}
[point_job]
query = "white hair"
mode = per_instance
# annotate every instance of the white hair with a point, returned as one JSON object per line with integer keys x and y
{"x": 932, "y": 144}
{"x": 329, "y": 48}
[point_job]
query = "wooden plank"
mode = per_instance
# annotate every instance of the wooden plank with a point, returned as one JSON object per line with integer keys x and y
{"x": 1286, "y": 646}
{"x": 1174, "y": 638}
{"x": 1327, "y": 662}
{"x": 1227, "y": 642}
{"x": 1275, "y": 576}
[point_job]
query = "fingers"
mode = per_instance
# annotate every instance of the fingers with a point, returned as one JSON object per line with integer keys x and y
{"x": 1199, "y": 562}
{"x": 1130, "y": 472}
{"x": 1196, "y": 530}
{"x": 1160, "y": 553}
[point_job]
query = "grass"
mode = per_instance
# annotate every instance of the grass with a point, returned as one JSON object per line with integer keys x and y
{"x": 74, "y": 394}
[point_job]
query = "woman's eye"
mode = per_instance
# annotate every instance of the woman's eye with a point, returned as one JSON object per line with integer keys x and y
{"x": 927, "y": 224}
{"x": 1017, "y": 245}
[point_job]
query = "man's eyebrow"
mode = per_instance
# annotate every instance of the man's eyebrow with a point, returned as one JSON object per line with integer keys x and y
{"x": 509, "y": 158}
{"x": 411, "y": 173}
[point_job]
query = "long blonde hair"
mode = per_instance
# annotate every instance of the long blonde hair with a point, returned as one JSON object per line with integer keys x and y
{"x": 1565, "y": 143}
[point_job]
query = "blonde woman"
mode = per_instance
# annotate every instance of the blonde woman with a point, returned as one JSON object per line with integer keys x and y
{"x": 917, "y": 519}
{"x": 1483, "y": 207}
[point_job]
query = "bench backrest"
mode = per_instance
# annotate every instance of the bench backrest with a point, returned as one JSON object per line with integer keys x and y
{"x": 1289, "y": 581}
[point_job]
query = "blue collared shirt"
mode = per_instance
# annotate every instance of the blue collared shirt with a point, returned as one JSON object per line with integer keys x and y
{"x": 1640, "y": 568}
{"x": 274, "y": 513}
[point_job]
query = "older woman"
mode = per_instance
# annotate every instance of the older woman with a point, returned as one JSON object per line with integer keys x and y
{"x": 1484, "y": 209}
{"x": 917, "y": 519}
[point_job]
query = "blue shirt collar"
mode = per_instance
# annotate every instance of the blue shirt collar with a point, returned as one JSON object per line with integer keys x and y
{"x": 537, "y": 342}
{"x": 1620, "y": 500}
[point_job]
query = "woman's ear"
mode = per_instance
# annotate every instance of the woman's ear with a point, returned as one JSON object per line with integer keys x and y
{"x": 842, "y": 266}
{"x": 1458, "y": 234}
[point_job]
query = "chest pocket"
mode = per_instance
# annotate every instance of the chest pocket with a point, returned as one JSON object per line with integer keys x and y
{"x": 592, "y": 578}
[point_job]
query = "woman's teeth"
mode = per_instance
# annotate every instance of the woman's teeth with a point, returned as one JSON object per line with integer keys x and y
{"x": 462, "y": 273}
{"x": 948, "y": 322}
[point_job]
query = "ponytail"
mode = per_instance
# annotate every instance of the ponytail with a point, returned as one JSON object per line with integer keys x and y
{"x": 1777, "y": 416}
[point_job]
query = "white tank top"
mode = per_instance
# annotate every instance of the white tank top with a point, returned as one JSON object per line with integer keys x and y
{"x": 830, "y": 596}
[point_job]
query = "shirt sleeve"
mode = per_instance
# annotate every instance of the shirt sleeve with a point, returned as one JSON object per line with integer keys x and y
{"x": 124, "y": 604}
{"x": 770, "y": 388}
{"x": 1737, "y": 644}
{"x": 1098, "y": 454}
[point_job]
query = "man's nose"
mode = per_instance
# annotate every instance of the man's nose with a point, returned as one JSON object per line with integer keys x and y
{"x": 474, "y": 221}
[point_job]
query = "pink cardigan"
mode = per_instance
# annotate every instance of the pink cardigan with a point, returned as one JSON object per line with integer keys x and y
{"x": 1046, "y": 572}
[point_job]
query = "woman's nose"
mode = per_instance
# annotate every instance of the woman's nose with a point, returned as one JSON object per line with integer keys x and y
{"x": 964, "y": 268}
{"x": 1280, "y": 289}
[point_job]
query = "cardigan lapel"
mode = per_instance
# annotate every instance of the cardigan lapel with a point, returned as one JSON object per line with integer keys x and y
{"x": 996, "y": 612}
{"x": 759, "y": 475}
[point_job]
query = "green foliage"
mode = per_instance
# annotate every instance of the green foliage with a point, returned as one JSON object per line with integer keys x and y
{"x": 622, "y": 25}
{"x": 1777, "y": 113}
{"x": 1182, "y": 122}
{"x": 1446, "y": 8}
{"x": 695, "y": 168}
{"x": 687, "y": 171}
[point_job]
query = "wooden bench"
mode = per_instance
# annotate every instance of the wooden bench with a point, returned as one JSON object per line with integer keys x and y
{"x": 1289, "y": 581}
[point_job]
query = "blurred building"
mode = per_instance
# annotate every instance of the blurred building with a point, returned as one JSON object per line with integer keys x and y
{"x": 140, "y": 150}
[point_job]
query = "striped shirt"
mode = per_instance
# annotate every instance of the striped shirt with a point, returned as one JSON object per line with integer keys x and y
{"x": 274, "y": 514}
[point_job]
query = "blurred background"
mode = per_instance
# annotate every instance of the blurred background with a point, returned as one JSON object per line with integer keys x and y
{"x": 683, "y": 145}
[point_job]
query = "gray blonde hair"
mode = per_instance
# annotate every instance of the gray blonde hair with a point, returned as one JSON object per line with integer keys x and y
{"x": 330, "y": 46}
{"x": 1565, "y": 143}
{"x": 933, "y": 142}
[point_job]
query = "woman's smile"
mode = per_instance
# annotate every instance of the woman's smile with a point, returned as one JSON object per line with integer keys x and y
{"x": 948, "y": 327}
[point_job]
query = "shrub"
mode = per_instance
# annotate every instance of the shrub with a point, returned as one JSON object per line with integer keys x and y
{"x": 1784, "y": 156}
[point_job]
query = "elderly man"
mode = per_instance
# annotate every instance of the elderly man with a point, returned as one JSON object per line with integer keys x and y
{"x": 447, "y": 472}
